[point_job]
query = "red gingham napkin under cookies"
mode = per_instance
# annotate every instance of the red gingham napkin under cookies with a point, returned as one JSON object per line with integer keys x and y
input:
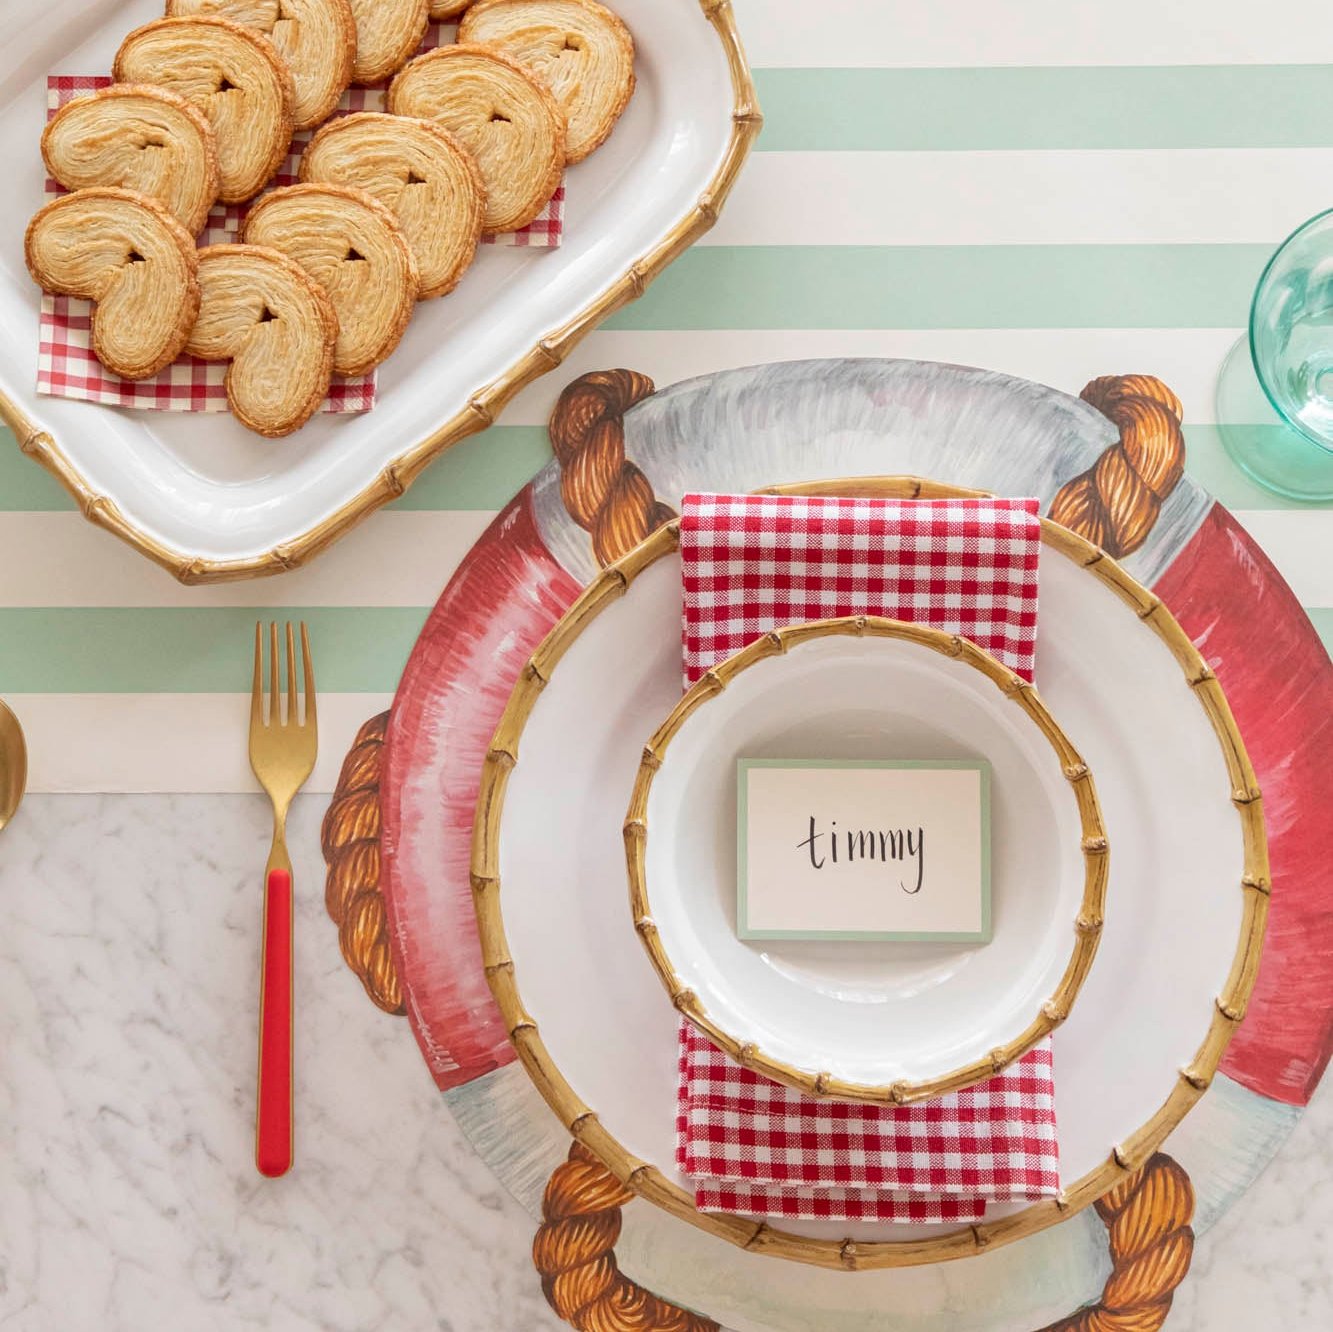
{"x": 66, "y": 366}
{"x": 747, "y": 1144}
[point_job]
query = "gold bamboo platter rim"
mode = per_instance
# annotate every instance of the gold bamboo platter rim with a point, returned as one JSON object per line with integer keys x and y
{"x": 646, "y": 1180}
{"x": 483, "y": 405}
{"x": 1093, "y": 848}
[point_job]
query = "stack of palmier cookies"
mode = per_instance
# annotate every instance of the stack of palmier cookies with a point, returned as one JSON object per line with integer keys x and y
{"x": 390, "y": 206}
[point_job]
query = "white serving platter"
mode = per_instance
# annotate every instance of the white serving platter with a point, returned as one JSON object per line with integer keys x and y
{"x": 870, "y": 1015}
{"x": 207, "y": 499}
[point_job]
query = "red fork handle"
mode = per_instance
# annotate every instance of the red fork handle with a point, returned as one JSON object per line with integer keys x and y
{"x": 273, "y": 1120}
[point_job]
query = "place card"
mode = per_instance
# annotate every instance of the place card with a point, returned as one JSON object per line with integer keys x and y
{"x": 867, "y": 849}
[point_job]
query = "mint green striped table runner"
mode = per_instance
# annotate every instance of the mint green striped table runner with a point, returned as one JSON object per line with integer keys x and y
{"x": 1050, "y": 192}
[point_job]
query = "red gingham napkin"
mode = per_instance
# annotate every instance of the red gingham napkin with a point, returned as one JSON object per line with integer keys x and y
{"x": 66, "y": 366}
{"x": 751, "y": 1145}
{"x": 754, "y": 563}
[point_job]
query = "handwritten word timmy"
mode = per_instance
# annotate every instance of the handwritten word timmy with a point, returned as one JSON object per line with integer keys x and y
{"x": 882, "y": 844}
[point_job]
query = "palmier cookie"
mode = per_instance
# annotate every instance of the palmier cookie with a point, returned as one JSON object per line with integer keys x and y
{"x": 387, "y": 32}
{"x": 317, "y": 39}
{"x": 137, "y": 137}
{"x": 265, "y": 314}
{"x": 126, "y": 253}
{"x": 445, "y": 11}
{"x": 354, "y": 247}
{"x": 578, "y": 48}
{"x": 417, "y": 170}
{"x": 234, "y": 76}
{"x": 502, "y": 114}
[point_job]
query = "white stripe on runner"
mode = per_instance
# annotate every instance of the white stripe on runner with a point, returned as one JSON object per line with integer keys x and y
{"x": 919, "y": 33}
{"x": 118, "y": 743}
{"x": 392, "y": 559}
{"x": 1111, "y": 197}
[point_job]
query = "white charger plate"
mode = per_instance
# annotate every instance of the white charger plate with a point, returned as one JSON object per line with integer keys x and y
{"x": 867, "y": 1019}
{"x": 202, "y": 495}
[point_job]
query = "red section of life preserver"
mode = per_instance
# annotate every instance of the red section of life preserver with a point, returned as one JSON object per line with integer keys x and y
{"x": 1248, "y": 624}
{"x": 499, "y": 605}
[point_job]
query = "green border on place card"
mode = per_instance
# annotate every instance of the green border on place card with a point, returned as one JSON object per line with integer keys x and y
{"x": 743, "y": 930}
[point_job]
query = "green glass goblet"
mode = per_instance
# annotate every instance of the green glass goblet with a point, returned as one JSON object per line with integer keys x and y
{"x": 1275, "y": 405}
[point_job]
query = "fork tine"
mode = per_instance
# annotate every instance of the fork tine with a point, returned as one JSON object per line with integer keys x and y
{"x": 293, "y": 715}
{"x": 309, "y": 677}
{"x": 274, "y": 697}
{"x": 257, "y": 689}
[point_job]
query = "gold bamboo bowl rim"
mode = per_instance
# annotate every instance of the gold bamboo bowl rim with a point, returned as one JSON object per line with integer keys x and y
{"x": 1093, "y": 848}
{"x": 646, "y": 1180}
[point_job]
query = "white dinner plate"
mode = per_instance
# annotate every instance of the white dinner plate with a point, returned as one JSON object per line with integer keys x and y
{"x": 1148, "y": 1016}
{"x": 867, "y": 1019}
{"x": 204, "y": 496}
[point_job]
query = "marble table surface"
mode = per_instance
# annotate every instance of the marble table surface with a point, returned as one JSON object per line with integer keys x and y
{"x": 128, "y": 975}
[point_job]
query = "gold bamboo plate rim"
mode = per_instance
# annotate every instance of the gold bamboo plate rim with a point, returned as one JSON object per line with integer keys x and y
{"x": 642, "y": 1177}
{"x": 1087, "y": 923}
{"x": 482, "y": 408}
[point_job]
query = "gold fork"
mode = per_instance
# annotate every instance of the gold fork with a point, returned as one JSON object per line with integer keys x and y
{"x": 282, "y": 754}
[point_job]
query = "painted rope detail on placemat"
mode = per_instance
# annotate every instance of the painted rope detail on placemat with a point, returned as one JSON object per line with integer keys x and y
{"x": 605, "y": 493}
{"x": 1147, "y": 1218}
{"x": 1115, "y": 503}
{"x": 574, "y": 1251}
{"x": 350, "y": 838}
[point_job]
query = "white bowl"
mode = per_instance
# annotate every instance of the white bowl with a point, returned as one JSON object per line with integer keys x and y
{"x": 868, "y": 1020}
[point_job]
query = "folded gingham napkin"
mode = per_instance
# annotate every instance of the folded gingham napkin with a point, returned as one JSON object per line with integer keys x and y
{"x": 747, "y": 1144}
{"x": 751, "y": 563}
{"x": 66, "y": 366}
{"x": 751, "y": 1145}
